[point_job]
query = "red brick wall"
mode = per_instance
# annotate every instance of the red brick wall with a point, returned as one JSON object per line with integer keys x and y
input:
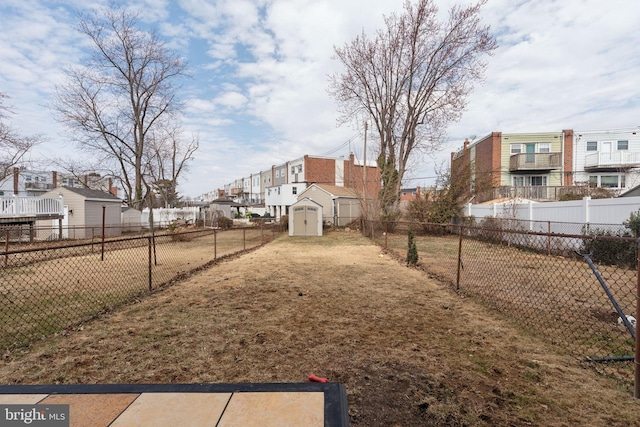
{"x": 487, "y": 161}
{"x": 319, "y": 171}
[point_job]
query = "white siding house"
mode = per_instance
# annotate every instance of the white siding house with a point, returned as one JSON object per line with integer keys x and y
{"x": 279, "y": 198}
{"x": 607, "y": 158}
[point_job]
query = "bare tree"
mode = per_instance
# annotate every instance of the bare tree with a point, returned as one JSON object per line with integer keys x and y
{"x": 121, "y": 94}
{"x": 170, "y": 159}
{"x": 13, "y": 146}
{"x": 412, "y": 80}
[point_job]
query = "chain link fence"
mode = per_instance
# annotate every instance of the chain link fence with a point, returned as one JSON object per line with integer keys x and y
{"x": 47, "y": 287}
{"x": 574, "y": 289}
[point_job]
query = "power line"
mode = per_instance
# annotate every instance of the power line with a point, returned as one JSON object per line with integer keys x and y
{"x": 341, "y": 146}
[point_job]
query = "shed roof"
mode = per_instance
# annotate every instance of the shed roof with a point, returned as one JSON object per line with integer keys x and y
{"x": 88, "y": 193}
{"x": 337, "y": 191}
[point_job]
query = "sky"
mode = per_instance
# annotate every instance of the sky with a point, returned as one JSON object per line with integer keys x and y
{"x": 257, "y": 93}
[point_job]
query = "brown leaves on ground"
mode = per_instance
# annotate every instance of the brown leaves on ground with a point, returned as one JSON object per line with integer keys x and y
{"x": 409, "y": 351}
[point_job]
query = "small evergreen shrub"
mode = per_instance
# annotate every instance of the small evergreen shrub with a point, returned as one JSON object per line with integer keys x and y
{"x": 412, "y": 252}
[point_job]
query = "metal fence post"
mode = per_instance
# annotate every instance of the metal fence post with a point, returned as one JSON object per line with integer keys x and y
{"x": 149, "y": 264}
{"x": 548, "y": 237}
{"x": 244, "y": 239}
{"x": 6, "y": 249}
{"x": 215, "y": 244}
{"x": 459, "y": 259}
{"x": 102, "y": 247}
{"x": 636, "y": 383}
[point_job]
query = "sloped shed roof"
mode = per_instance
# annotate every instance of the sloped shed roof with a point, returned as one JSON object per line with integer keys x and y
{"x": 90, "y": 194}
{"x": 337, "y": 191}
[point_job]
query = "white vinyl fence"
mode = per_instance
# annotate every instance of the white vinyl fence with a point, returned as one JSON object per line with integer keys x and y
{"x": 164, "y": 217}
{"x": 578, "y": 212}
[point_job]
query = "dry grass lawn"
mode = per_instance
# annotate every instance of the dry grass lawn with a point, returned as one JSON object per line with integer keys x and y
{"x": 409, "y": 351}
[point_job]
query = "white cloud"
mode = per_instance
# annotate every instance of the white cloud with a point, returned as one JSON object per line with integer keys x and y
{"x": 258, "y": 93}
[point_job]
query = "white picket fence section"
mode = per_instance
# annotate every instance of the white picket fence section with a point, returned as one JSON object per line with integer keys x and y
{"x": 163, "y": 217}
{"x": 578, "y": 212}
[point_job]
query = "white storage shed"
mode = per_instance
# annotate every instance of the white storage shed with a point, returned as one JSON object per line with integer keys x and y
{"x": 305, "y": 218}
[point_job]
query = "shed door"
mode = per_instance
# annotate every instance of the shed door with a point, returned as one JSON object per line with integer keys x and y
{"x": 305, "y": 221}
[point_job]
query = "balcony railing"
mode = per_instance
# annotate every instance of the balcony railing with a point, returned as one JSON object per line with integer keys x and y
{"x": 540, "y": 193}
{"x": 19, "y": 206}
{"x": 535, "y": 161}
{"x": 616, "y": 159}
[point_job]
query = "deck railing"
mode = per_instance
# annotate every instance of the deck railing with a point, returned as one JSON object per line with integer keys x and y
{"x": 19, "y": 206}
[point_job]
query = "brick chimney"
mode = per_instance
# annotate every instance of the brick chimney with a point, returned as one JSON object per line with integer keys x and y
{"x": 54, "y": 179}
{"x": 113, "y": 190}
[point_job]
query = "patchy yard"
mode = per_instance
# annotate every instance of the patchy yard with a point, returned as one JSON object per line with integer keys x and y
{"x": 409, "y": 351}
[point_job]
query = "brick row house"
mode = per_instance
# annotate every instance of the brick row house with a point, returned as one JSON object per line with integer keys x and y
{"x": 548, "y": 165}
{"x": 278, "y": 188}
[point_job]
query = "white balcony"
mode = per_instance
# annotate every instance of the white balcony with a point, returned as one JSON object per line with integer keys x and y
{"x": 34, "y": 207}
{"x": 612, "y": 160}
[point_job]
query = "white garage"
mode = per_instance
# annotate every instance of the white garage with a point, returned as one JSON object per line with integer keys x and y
{"x": 305, "y": 218}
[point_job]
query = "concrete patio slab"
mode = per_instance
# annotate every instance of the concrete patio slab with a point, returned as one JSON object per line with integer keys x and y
{"x": 221, "y": 405}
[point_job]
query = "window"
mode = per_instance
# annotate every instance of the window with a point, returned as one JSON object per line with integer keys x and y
{"x": 516, "y": 148}
{"x": 544, "y": 147}
{"x": 529, "y": 181}
{"x": 294, "y": 190}
{"x": 592, "y": 145}
{"x": 609, "y": 181}
{"x": 538, "y": 181}
{"x": 282, "y": 172}
{"x": 623, "y": 145}
{"x": 299, "y": 168}
{"x": 277, "y": 173}
{"x": 293, "y": 170}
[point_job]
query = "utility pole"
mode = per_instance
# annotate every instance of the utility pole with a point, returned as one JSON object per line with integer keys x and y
{"x": 366, "y": 202}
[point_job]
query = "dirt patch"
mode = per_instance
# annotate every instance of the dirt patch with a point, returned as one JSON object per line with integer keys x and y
{"x": 409, "y": 351}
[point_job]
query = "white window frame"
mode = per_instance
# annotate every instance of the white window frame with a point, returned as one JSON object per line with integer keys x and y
{"x": 517, "y": 147}
{"x": 544, "y": 147}
{"x": 525, "y": 180}
{"x": 591, "y": 142}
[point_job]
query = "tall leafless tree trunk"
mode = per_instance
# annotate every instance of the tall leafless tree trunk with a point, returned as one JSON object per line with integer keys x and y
{"x": 412, "y": 79}
{"x": 121, "y": 94}
{"x": 13, "y": 146}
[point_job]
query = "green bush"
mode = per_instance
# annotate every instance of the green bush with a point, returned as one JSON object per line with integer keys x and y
{"x": 606, "y": 249}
